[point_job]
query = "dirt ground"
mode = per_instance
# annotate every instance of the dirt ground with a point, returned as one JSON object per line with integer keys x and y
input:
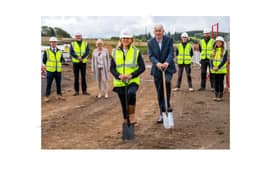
{"x": 86, "y": 122}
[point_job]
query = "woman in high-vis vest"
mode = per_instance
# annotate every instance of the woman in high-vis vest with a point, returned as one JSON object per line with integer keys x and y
{"x": 184, "y": 55}
{"x": 53, "y": 61}
{"x": 218, "y": 65}
{"x": 126, "y": 66}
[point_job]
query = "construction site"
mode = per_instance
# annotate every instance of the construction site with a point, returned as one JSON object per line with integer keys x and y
{"x": 91, "y": 122}
{"x": 87, "y": 122}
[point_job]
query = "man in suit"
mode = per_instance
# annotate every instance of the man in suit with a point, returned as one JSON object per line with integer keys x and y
{"x": 160, "y": 50}
{"x": 53, "y": 60}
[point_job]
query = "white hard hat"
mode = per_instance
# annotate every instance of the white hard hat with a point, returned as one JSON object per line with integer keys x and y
{"x": 78, "y": 34}
{"x": 53, "y": 39}
{"x": 126, "y": 34}
{"x": 184, "y": 34}
{"x": 206, "y": 30}
{"x": 219, "y": 38}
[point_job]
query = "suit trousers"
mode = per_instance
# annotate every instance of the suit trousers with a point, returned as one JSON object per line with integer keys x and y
{"x": 50, "y": 77}
{"x": 77, "y": 68}
{"x": 159, "y": 89}
{"x": 204, "y": 65}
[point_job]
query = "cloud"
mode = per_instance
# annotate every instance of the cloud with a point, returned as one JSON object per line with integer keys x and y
{"x": 108, "y": 26}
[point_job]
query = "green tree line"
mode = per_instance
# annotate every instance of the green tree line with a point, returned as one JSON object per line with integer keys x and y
{"x": 56, "y": 31}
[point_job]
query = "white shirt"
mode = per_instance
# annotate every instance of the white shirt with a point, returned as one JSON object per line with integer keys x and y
{"x": 125, "y": 51}
{"x": 99, "y": 58}
{"x": 54, "y": 50}
{"x": 160, "y": 44}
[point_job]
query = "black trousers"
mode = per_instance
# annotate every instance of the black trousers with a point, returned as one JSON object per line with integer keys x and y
{"x": 219, "y": 84}
{"x": 131, "y": 91}
{"x": 80, "y": 67}
{"x": 159, "y": 88}
{"x": 50, "y": 77}
{"x": 204, "y": 64}
{"x": 187, "y": 68}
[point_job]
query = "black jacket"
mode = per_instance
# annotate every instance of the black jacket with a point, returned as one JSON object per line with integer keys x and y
{"x": 166, "y": 54}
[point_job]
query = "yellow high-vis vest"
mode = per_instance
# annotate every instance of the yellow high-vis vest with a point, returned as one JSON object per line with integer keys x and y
{"x": 127, "y": 66}
{"x": 217, "y": 61}
{"x": 79, "y": 51}
{"x": 206, "y": 50}
{"x": 184, "y": 56}
{"x": 53, "y": 63}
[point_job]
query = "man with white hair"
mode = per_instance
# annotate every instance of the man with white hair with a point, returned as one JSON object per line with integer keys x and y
{"x": 79, "y": 52}
{"x": 161, "y": 54}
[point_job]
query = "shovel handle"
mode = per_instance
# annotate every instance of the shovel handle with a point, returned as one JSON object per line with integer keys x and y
{"x": 164, "y": 91}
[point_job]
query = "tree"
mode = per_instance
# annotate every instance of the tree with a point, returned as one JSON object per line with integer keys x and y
{"x": 52, "y": 31}
{"x": 149, "y": 36}
{"x": 56, "y": 31}
{"x": 45, "y": 31}
{"x": 61, "y": 33}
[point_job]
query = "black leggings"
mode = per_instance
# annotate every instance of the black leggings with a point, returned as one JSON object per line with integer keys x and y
{"x": 219, "y": 84}
{"x": 132, "y": 89}
{"x": 181, "y": 67}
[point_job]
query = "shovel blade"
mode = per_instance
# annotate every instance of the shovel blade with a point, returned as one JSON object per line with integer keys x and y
{"x": 128, "y": 131}
{"x": 168, "y": 121}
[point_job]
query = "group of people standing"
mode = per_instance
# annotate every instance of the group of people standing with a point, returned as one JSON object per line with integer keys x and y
{"x": 79, "y": 52}
{"x": 213, "y": 57}
{"x": 126, "y": 66}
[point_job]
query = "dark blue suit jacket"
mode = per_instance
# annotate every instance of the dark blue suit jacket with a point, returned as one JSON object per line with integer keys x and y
{"x": 166, "y": 54}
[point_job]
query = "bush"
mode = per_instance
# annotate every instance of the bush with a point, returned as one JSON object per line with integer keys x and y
{"x": 143, "y": 49}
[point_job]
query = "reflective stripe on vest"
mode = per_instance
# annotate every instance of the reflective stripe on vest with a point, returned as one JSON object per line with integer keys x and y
{"x": 126, "y": 67}
{"x": 217, "y": 61}
{"x": 206, "y": 50}
{"x": 184, "y": 56}
{"x": 53, "y": 61}
{"x": 79, "y": 51}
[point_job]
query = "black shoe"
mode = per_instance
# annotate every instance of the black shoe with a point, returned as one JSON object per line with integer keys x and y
{"x": 201, "y": 89}
{"x": 76, "y": 93}
{"x": 86, "y": 93}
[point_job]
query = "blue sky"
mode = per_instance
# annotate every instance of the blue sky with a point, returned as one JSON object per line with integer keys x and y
{"x": 107, "y": 26}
